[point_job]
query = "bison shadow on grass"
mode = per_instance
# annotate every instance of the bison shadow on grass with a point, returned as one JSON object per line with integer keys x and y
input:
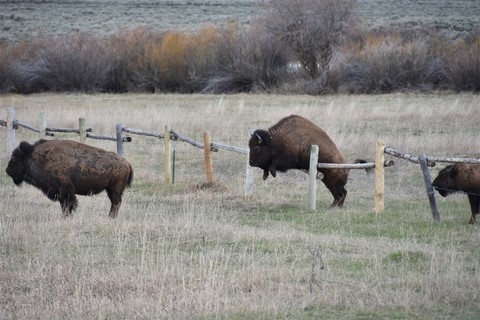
{"x": 63, "y": 169}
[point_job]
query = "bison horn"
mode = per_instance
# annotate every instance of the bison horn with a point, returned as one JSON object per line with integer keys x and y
{"x": 259, "y": 138}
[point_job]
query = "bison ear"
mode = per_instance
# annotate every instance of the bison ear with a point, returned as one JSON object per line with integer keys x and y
{"x": 25, "y": 148}
{"x": 263, "y": 138}
{"x": 451, "y": 171}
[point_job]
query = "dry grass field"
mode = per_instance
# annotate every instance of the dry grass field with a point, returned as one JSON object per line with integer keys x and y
{"x": 186, "y": 251}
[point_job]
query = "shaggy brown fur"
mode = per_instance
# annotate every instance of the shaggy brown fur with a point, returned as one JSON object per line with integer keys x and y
{"x": 461, "y": 177}
{"x": 63, "y": 168}
{"x": 286, "y": 145}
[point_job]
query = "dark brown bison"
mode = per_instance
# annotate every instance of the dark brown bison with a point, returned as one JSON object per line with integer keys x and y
{"x": 63, "y": 168}
{"x": 286, "y": 145}
{"x": 461, "y": 177}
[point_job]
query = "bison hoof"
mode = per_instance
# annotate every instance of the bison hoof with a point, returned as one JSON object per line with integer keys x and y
{"x": 265, "y": 175}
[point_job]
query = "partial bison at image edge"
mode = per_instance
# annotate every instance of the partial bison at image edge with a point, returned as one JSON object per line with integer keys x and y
{"x": 461, "y": 177}
{"x": 63, "y": 169}
{"x": 286, "y": 145}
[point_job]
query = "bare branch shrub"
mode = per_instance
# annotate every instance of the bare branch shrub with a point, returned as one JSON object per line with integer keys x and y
{"x": 153, "y": 61}
{"x": 76, "y": 63}
{"x": 248, "y": 60}
{"x": 7, "y": 73}
{"x": 173, "y": 62}
{"x": 462, "y": 65}
{"x": 311, "y": 29}
{"x": 138, "y": 53}
{"x": 201, "y": 55}
{"x": 387, "y": 64}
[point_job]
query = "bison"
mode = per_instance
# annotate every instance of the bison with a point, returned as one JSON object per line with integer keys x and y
{"x": 63, "y": 168}
{"x": 461, "y": 177}
{"x": 286, "y": 145}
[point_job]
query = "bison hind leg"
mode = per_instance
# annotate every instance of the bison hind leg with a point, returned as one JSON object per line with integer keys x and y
{"x": 116, "y": 200}
{"x": 69, "y": 203}
{"x": 339, "y": 195}
{"x": 474, "y": 206}
{"x": 344, "y": 195}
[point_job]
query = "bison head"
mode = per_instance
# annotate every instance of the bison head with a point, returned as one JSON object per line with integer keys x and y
{"x": 261, "y": 151}
{"x": 18, "y": 165}
{"x": 445, "y": 182}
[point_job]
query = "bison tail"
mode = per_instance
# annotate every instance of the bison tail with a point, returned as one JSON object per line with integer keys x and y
{"x": 130, "y": 176}
{"x": 368, "y": 170}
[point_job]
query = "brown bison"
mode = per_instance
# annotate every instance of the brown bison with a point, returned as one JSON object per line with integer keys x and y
{"x": 286, "y": 145}
{"x": 461, "y": 177}
{"x": 63, "y": 168}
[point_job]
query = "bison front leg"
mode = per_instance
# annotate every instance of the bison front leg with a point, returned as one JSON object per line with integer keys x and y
{"x": 69, "y": 203}
{"x": 474, "y": 206}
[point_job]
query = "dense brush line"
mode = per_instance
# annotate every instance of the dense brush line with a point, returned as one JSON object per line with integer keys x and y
{"x": 230, "y": 60}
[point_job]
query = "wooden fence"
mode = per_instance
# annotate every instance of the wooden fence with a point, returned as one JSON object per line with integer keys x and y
{"x": 208, "y": 146}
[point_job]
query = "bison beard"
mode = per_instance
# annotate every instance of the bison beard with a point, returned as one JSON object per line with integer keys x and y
{"x": 63, "y": 169}
{"x": 286, "y": 145}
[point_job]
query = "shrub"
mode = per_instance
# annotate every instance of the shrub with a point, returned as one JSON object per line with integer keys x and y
{"x": 173, "y": 62}
{"x": 462, "y": 65}
{"x": 11, "y": 56}
{"x": 77, "y": 63}
{"x": 248, "y": 60}
{"x": 137, "y": 54}
{"x": 311, "y": 29}
{"x": 152, "y": 61}
{"x": 7, "y": 73}
{"x": 201, "y": 56}
{"x": 388, "y": 64}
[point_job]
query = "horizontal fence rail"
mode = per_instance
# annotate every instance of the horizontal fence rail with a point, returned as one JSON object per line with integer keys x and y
{"x": 168, "y": 135}
{"x": 368, "y": 165}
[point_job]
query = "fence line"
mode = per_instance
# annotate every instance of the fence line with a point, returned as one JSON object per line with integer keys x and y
{"x": 425, "y": 161}
{"x": 85, "y": 133}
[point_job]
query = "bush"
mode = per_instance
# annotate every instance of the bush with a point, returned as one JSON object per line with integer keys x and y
{"x": 311, "y": 29}
{"x": 173, "y": 62}
{"x": 78, "y": 63}
{"x": 151, "y": 61}
{"x": 387, "y": 65}
{"x": 233, "y": 59}
{"x": 246, "y": 61}
{"x": 137, "y": 54}
{"x": 201, "y": 56}
{"x": 462, "y": 65}
{"x": 7, "y": 73}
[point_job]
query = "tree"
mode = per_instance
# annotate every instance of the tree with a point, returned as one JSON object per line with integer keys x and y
{"x": 311, "y": 29}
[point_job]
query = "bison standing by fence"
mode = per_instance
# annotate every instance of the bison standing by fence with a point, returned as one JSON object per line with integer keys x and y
{"x": 64, "y": 168}
{"x": 461, "y": 177}
{"x": 286, "y": 145}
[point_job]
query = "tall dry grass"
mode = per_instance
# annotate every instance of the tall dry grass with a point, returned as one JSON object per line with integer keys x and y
{"x": 185, "y": 251}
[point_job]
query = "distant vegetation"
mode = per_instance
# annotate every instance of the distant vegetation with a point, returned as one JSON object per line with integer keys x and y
{"x": 261, "y": 56}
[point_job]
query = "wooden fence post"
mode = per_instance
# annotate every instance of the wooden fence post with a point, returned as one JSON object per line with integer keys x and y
{"x": 10, "y": 131}
{"x": 379, "y": 177}
{"x": 313, "y": 177}
{"x": 207, "y": 147}
{"x": 167, "y": 155}
{"x": 248, "y": 177}
{"x": 82, "y": 129}
{"x": 43, "y": 125}
{"x": 119, "y": 134}
{"x": 428, "y": 185}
